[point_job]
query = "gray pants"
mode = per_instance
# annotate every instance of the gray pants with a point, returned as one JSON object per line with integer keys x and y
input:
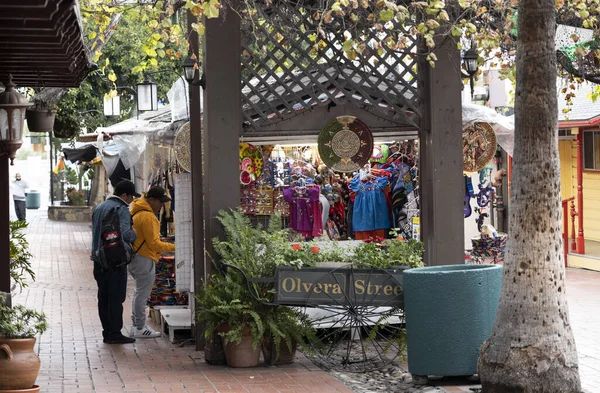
{"x": 20, "y": 209}
{"x": 143, "y": 272}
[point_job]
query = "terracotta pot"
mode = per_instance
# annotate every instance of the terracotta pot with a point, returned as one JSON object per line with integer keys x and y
{"x": 34, "y": 389}
{"x": 214, "y": 353}
{"x": 40, "y": 120}
{"x": 285, "y": 355}
{"x": 242, "y": 354}
{"x": 19, "y": 364}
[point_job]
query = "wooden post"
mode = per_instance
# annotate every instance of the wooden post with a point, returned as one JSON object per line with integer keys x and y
{"x": 580, "y": 237}
{"x": 197, "y": 182}
{"x": 442, "y": 183}
{"x": 4, "y": 228}
{"x": 222, "y": 119}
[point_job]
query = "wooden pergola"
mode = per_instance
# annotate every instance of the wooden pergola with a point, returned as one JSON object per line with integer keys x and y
{"x": 260, "y": 85}
{"x": 41, "y": 45}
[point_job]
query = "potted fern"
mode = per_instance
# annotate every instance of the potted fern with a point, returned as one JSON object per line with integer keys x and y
{"x": 19, "y": 364}
{"x": 20, "y": 264}
{"x": 229, "y": 307}
{"x": 228, "y": 310}
{"x": 285, "y": 329}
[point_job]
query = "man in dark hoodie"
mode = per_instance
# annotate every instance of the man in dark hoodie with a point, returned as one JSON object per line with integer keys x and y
{"x": 112, "y": 284}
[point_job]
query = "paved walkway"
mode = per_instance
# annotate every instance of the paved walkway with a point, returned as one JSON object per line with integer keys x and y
{"x": 74, "y": 359}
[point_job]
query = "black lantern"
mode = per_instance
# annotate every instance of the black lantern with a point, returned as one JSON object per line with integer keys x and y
{"x": 470, "y": 61}
{"x": 190, "y": 66}
{"x": 12, "y": 120}
{"x": 147, "y": 98}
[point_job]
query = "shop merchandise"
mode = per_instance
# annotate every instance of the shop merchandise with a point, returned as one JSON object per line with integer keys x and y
{"x": 164, "y": 292}
{"x": 360, "y": 205}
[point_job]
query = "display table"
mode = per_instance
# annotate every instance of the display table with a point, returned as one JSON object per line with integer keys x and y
{"x": 175, "y": 319}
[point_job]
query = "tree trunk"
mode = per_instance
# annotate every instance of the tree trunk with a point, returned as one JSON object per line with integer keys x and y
{"x": 532, "y": 349}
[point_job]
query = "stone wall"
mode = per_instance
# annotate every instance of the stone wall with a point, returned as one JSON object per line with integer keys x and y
{"x": 70, "y": 213}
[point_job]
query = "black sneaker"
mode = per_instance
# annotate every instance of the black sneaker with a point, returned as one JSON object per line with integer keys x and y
{"x": 120, "y": 340}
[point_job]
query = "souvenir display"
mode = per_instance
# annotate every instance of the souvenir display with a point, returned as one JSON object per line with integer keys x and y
{"x": 248, "y": 200}
{"x": 489, "y": 247}
{"x": 319, "y": 201}
{"x": 251, "y": 163}
{"x": 345, "y": 144}
{"x": 164, "y": 292}
{"x": 479, "y": 146}
{"x": 281, "y": 206}
{"x": 182, "y": 147}
{"x": 264, "y": 201}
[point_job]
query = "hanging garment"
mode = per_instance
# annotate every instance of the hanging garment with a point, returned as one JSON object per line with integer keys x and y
{"x": 305, "y": 210}
{"x": 370, "y": 205}
{"x": 366, "y": 235}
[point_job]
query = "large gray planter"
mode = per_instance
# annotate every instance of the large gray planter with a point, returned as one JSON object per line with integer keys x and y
{"x": 450, "y": 311}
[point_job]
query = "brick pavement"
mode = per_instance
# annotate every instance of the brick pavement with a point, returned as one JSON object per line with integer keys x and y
{"x": 74, "y": 359}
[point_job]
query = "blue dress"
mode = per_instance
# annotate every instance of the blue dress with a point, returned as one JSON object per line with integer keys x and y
{"x": 370, "y": 206}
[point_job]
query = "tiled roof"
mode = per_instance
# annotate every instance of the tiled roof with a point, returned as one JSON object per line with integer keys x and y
{"x": 583, "y": 108}
{"x": 41, "y": 43}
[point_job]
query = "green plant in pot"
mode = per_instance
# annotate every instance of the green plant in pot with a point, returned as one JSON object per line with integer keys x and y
{"x": 20, "y": 264}
{"x": 285, "y": 329}
{"x": 257, "y": 252}
{"x": 40, "y": 117}
{"x": 228, "y": 309}
{"x": 19, "y": 364}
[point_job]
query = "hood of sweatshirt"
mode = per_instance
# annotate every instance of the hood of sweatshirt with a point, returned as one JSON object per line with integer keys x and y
{"x": 139, "y": 205}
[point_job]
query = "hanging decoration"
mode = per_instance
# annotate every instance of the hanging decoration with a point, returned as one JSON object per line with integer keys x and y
{"x": 479, "y": 146}
{"x": 251, "y": 163}
{"x": 182, "y": 147}
{"x": 345, "y": 144}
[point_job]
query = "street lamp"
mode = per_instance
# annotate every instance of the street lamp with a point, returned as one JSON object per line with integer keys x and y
{"x": 190, "y": 66}
{"x": 12, "y": 120}
{"x": 470, "y": 61}
{"x": 112, "y": 105}
{"x": 147, "y": 97}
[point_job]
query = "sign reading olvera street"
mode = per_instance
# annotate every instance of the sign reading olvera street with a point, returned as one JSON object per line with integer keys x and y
{"x": 339, "y": 286}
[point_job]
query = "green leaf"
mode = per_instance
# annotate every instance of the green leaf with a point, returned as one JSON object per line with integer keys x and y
{"x": 386, "y": 15}
{"x": 211, "y": 9}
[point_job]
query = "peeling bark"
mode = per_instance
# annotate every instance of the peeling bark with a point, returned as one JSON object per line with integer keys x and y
{"x": 531, "y": 349}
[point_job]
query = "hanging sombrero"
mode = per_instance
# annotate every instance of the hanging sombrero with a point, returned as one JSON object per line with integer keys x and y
{"x": 183, "y": 147}
{"x": 251, "y": 163}
{"x": 345, "y": 144}
{"x": 479, "y": 146}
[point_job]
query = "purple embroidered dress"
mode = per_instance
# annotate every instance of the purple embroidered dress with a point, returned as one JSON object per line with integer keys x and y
{"x": 305, "y": 210}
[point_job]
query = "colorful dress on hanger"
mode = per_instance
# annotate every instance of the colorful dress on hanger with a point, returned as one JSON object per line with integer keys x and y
{"x": 370, "y": 210}
{"x": 305, "y": 210}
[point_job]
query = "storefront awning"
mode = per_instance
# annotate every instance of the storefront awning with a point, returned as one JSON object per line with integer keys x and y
{"x": 41, "y": 43}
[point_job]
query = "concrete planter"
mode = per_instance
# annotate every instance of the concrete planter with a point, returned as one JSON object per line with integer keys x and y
{"x": 450, "y": 311}
{"x": 70, "y": 213}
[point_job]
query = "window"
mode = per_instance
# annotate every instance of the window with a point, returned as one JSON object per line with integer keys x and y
{"x": 591, "y": 150}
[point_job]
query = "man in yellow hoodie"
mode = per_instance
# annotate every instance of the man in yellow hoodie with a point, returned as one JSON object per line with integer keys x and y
{"x": 148, "y": 248}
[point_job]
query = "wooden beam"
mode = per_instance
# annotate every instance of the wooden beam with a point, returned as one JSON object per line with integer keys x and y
{"x": 4, "y": 226}
{"x": 199, "y": 246}
{"x": 222, "y": 119}
{"x": 441, "y": 172}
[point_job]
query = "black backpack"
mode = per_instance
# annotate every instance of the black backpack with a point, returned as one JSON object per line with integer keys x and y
{"x": 113, "y": 252}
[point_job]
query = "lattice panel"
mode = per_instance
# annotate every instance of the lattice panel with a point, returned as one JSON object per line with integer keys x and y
{"x": 282, "y": 76}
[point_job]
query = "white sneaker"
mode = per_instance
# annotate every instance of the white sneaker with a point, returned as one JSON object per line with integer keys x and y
{"x": 145, "y": 332}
